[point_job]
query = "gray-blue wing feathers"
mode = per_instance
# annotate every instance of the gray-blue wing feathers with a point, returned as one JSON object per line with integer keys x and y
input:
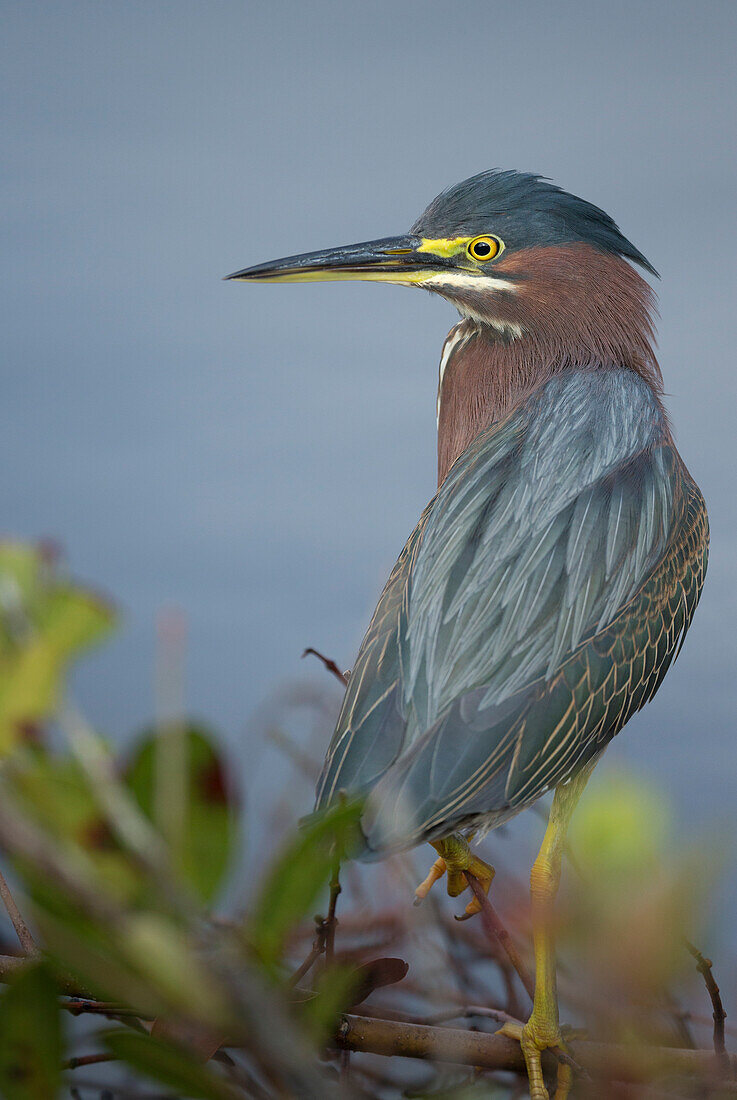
{"x": 462, "y": 704}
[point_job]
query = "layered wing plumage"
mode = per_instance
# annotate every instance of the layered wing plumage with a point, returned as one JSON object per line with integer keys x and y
{"x": 536, "y": 605}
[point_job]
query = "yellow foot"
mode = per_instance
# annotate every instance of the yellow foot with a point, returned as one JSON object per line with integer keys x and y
{"x": 455, "y": 857}
{"x": 535, "y": 1037}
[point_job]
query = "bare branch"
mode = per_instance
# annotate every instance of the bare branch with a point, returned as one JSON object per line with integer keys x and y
{"x": 331, "y": 921}
{"x": 317, "y": 949}
{"x": 496, "y": 931}
{"x": 22, "y": 930}
{"x": 411, "y": 1039}
{"x": 79, "y": 1006}
{"x": 330, "y": 665}
{"x": 623, "y": 1063}
{"x": 89, "y": 1060}
{"x": 704, "y": 965}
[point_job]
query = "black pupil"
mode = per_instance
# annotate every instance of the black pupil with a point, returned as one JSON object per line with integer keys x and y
{"x": 482, "y": 248}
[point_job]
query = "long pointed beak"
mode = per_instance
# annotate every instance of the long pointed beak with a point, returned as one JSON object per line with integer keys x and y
{"x": 389, "y": 260}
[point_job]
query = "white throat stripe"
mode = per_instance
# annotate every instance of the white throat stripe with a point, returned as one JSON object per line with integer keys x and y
{"x": 459, "y": 279}
{"x": 453, "y": 340}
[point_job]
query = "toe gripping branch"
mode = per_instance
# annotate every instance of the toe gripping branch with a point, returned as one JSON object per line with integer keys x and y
{"x": 454, "y": 858}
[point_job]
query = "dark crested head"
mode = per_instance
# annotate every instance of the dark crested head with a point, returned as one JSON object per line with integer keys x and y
{"x": 525, "y": 211}
{"x": 508, "y": 249}
{"x": 544, "y": 281}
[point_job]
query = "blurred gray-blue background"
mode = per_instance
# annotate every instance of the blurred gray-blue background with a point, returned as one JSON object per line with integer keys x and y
{"x": 256, "y": 455}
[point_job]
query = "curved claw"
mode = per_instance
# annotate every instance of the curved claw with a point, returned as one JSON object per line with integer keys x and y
{"x": 465, "y": 915}
{"x": 455, "y": 858}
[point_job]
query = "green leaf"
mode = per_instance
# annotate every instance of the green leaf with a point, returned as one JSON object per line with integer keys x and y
{"x": 45, "y": 621}
{"x": 30, "y": 1037}
{"x": 89, "y": 955}
{"x": 141, "y": 959}
{"x": 158, "y": 948}
{"x": 203, "y": 829}
{"x": 297, "y": 877}
{"x": 54, "y": 792}
{"x": 169, "y": 1064}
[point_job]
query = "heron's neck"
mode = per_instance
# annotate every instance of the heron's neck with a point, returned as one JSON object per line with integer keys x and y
{"x": 592, "y": 320}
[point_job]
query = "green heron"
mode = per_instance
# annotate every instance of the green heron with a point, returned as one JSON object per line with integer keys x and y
{"x": 552, "y": 578}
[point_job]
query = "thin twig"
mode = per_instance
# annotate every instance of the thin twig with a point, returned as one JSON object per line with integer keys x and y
{"x": 704, "y": 965}
{"x": 331, "y": 921}
{"x": 89, "y": 1060}
{"x": 317, "y": 949}
{"x": 330, "y": 665}
{"x": 496, "y": 931}
{"x": 460, "y": 1012}
{"x": 344, "y": 1070}
{"x": 22, "y": 930}
{"x": 80, "y": 1006}
{"x": 459, "y": 971}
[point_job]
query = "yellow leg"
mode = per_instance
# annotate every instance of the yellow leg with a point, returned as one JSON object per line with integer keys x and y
{"x": 542, "y": 1030}
{"x": 455, "y": 857}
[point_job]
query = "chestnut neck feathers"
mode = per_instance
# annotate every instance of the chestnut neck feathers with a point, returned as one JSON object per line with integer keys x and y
{"x": 569, "y": 307}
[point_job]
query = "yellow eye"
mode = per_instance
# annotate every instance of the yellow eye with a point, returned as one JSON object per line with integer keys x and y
{"x": 484, "y": 248}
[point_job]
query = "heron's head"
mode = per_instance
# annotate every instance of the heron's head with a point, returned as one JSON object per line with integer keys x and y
{"x": 507, "y": 248}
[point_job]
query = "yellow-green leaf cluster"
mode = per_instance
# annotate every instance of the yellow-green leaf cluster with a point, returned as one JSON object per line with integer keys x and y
{"x": 45, "y": 621}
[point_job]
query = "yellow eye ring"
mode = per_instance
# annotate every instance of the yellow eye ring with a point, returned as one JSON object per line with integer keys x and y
{"x": 484, "y": 248}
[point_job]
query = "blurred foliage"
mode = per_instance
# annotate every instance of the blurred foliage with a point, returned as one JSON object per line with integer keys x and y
{"x": 296, "y": 878}
{"x": 622, "y": 832}
{"x": 30, "y": 1036}
{"x": 45, "y": 621}
{"x": 119, "y": 862}
{"x": 208, "y": 807}
{"x": 630, "y": 879}
{"x": 119, "y": 901}
{"x": 55, "y": 791}
{"x": 170, "y": 1065}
